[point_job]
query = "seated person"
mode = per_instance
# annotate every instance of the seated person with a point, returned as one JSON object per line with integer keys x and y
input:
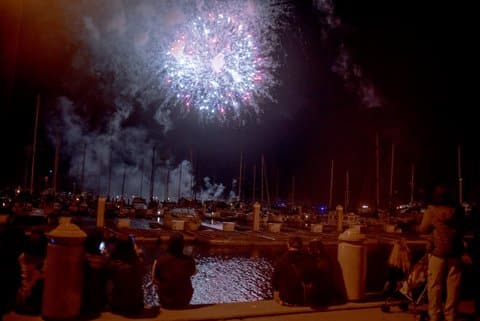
{"x": 94, "y": 298}
{"x": 293, "y": 275}
{"x": 29, "y": 296}
{"x": 126, "y": 269}
{"x": 172, "y": 272}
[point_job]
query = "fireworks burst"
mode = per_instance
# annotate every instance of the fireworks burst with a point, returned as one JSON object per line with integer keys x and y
{"x": 220, "y": 62}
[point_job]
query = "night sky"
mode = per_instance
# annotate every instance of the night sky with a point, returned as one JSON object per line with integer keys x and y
{"x": 399, "y": 80}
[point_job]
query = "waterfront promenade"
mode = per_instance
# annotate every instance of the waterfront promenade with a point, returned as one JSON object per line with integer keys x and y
{"x": 270, "y": 310}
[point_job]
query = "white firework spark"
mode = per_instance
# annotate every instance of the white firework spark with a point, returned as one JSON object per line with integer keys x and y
{"x": 221, "y": 62}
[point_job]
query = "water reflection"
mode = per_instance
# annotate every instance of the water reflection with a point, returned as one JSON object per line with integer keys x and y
{"x": 222, "y": 276}
{"x": 231, "y": 279}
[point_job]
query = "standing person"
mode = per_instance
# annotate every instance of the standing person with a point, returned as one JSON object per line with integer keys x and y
{"x": 172, "y": 272}
{"x": 444, "y": 220}
{"x": 293, "y": 275}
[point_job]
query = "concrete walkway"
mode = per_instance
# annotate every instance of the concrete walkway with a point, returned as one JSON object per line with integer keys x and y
{"x": 270, "y": 310}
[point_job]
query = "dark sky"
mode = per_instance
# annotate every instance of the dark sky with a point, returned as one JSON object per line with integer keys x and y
{"x": 408, "y": 52}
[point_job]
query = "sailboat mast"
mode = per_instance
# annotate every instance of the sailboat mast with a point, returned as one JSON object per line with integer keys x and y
{"x": 459, "y": 163}
{"x": 179, "y": 192}
{"x": 240, "y": 178}
{"x": 267, "y": 190}
{"x": 392, "y": 162}
{"x": 261, "y": 181}
{"x": 141, "y": 177}
{"x": 347, "y": 190}
{"x": 152, "y": 174}
{"x": 193, "y": 174}
{"x": 82, "y": 178}
{"x": 254, "y": 182}
{"x": 109, "y": 172}
{"x": 412, "y": 183}
{"x": 377, "y": 172}
{"x": 55, "y": 164}
{"x": 34, "y": 149}
{"x": 330, "y": 197}
{"x": 293, "y": 190}
{"x": 123, "y": 180}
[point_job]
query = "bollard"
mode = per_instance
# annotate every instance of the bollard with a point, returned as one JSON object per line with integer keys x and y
{"x": 256, "y": 217}
{"x": 123, "y": 223}
{"x": 228, "y": 226}
{"x": 274, "y": 227}
{"x": 64, "y": 272}
{"x": 316, "y": 228}
{"x": 352, "y": 257}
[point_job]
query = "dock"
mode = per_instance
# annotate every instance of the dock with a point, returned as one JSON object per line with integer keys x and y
{"x": 213, "y": 235}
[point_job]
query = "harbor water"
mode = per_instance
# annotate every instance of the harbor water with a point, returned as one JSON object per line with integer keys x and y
{"x": 233, "y": 275}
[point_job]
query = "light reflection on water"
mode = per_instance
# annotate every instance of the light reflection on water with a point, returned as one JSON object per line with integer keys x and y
{"x": 222, "y": 277}
{"x": 231, "y": 279}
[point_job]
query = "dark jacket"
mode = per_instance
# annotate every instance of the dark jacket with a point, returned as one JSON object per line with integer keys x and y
{"x": 94, "y": 298}
{"x": 172, "y": 275}
{"x": 291, "y": 270}
{"x": 446, "y": 225}
{"x": 327, "y": 289}
{"x": 127, "y": 286}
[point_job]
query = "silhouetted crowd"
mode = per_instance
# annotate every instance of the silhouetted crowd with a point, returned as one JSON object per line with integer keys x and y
{"x": 113, "y": 280}
{"x": 114, "y": 269}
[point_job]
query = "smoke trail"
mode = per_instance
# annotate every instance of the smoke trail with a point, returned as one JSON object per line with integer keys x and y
{"x": 344, "y": 65}
{"x": 211, "y": 191}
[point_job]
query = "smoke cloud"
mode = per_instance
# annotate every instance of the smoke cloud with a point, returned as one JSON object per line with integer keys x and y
{"x": 113, "y": 134}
